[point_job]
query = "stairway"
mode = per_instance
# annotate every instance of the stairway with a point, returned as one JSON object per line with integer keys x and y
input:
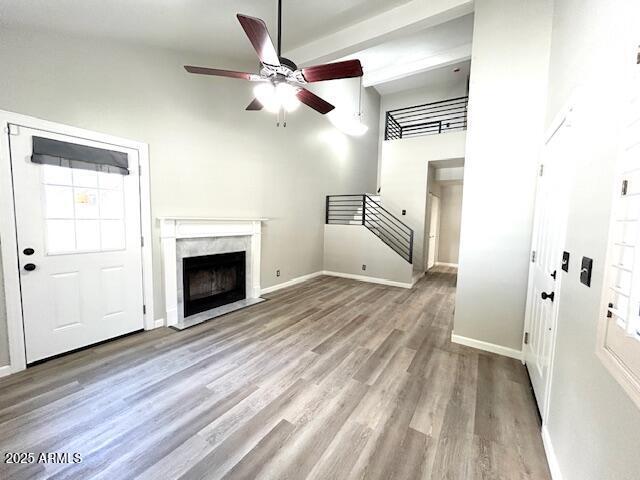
{"x": 367, "y": 210}
{"x": 357, "y": 212}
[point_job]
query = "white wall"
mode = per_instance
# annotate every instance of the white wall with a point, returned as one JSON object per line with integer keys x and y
{"x": 208, "y": 156}
{"x": 593, "y": 425}
{"x": 450, "y": 216}
{"x": 417, "y": 96}
{"x": 348, "y": 247}
{"x": 403, "y": 179}
{"x": 507, "y": 95}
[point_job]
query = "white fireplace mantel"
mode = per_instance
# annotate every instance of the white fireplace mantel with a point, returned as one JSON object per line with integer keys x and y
{"x": 195, "y": 227}
{"x": 175, "y": 228}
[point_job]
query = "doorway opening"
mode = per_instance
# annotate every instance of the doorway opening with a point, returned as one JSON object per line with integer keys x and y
{"x": 443, "y": 213}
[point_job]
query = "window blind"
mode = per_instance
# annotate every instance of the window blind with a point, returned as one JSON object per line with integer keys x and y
{"x": 64, "y": 154}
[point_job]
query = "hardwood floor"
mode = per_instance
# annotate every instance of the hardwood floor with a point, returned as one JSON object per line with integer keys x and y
{"x": 330, "y": 379}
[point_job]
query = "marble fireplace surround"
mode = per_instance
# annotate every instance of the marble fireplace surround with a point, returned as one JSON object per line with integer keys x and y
{"x": 189, "y": 236}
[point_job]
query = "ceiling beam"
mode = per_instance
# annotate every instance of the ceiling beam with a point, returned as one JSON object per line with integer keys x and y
{"x": 405, "y": 19}
{"x": 425, "y": 64}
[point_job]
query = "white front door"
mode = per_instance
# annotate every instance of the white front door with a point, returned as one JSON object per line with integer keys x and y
{"x": 545, "y": 275}
{"x": 79, "y": 248}
{"x": 434, "y": 223}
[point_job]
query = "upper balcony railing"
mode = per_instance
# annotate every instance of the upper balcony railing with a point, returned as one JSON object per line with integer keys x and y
{"x": 427, "y": 119}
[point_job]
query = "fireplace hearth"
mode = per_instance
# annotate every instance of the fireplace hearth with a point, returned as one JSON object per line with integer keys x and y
{"x": 210, "y": 281}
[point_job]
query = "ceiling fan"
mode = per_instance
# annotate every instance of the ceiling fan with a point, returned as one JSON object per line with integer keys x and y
{"x": 280, "y": 81}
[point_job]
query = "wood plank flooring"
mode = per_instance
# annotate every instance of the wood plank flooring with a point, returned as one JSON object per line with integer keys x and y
{"x": 330, "y": 379}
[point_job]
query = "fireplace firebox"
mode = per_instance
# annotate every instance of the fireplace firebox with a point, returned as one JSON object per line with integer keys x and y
{"x": 210, "y": 281}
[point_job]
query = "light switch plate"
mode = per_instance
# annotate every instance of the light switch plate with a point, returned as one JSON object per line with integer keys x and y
{"x": 585, "y": 271}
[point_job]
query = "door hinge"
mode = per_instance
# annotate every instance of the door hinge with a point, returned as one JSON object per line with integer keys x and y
{"x": 142, "y": 241}
{"x": 541, "y": 169}
{"x": 144, "y": 309}
{"x": 625, "y": 187}
{"x": 533, "y": 256}
{"x": 13, "y": 129}
{"x": 526, "y": 338}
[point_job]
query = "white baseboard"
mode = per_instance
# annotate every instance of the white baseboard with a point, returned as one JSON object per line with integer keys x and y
{"x": 5, "y": 370}
{"x": 444, "y": 264}
{"x": 363, "y": 278}
{"x": 552, "y": 460}
{"x": 158, "y": 322}
{"x": 486, "y": 346}
{"x": 290, "y": 283}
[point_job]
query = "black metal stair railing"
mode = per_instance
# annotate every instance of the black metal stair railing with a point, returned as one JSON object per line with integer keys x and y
{"x": 361, "y": 209}
{"x": 427, "y": 119}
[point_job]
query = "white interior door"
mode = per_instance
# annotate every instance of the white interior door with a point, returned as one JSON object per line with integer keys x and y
{"x": 434, "y": 223}
{"x": 82, "y": 283}
{"x": 545, "y": 275}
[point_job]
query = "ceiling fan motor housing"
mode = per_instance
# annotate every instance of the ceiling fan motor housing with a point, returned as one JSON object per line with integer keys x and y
{"x": 287, "y": 71}
{"x": 288, "y": 63}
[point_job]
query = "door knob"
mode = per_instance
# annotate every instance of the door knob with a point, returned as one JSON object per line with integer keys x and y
{"x": 30, "y": 267}
{"x": 549, "y": 296}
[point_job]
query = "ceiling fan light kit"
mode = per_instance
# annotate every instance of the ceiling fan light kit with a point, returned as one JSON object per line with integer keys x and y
{"x": 281, "y": 84}
{"x": 274, "y": 97}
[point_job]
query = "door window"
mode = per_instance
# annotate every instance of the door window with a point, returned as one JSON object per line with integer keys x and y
{"x": 84, "y": 210}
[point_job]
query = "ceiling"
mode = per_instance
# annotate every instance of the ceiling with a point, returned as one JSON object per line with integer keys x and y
{"x": 447, "y": 163}
{"x": 425, "y": 58}
{"x": 208, "y": 27}
{"x": 435, "y": 79}
{"x": 201, "y": 26}
{"x": 419, "y": 45}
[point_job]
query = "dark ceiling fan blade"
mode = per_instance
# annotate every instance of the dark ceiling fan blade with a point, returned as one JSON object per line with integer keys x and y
{"x": 254, "y": 105}
{"x": 221, "y": 73}
{"x": 259, "y": 37}
{"x": 312, "y": 100}
{"x": 333, "y": 71}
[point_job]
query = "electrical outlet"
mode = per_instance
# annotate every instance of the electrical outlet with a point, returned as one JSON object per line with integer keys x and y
{"x": 364, "y": 267}
{"x": 277, "y": 273}
{"x": 404, "y": 212}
